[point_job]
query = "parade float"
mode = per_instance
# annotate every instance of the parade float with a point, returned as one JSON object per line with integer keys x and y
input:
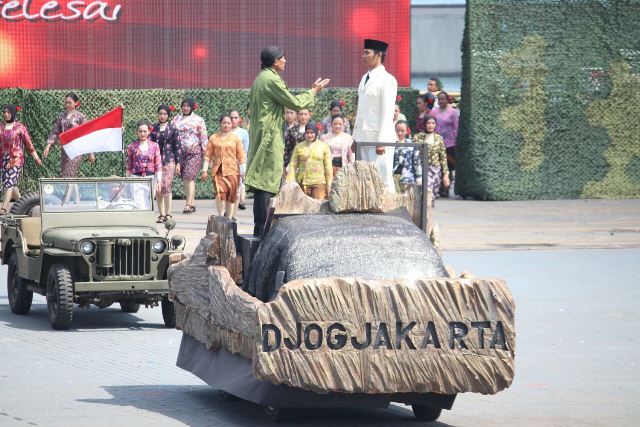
{"x": 344, "y": 302}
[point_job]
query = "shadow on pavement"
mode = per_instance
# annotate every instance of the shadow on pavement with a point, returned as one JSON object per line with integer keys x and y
{"x": 85, "y": 319}
{"x": 200, "y": 405}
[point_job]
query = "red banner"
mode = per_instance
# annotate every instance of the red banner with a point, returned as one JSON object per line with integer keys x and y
{"x": 194, "y": 43}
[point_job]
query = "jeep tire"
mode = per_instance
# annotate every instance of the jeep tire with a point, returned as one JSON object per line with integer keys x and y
{"x": 29, "y": 205}
{"x": 129, "y": 306}
{"x": 60, "y": 296}
{"x": 168, "y": 312}
{"x": 19, "y": 297}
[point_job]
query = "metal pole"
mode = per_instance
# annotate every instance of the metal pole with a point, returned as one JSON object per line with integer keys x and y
{"x": 424, "y": 218}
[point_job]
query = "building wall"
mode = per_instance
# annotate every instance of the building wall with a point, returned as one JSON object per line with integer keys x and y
{"x": 436, "y": 36}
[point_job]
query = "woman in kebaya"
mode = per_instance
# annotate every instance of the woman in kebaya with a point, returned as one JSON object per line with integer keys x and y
{"x": 311, "y": 165}
{"x": 167, "y": 138}
{"x": 225, "y": 156}
{"x": 193, "y": 140}
{"x": 14, "y": 139}
{"x": 67, "y": 119}
{"x": 144, "y": 160}
{"x": 340, "y": 144}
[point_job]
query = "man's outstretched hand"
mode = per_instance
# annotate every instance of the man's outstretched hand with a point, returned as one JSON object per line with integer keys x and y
{"x": 320, "y": 84}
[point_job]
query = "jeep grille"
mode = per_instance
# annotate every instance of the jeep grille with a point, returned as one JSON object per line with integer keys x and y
{"x": 133, "y": 260}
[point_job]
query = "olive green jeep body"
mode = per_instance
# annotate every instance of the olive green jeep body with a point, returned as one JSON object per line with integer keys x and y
{"x": 95, "y": 241}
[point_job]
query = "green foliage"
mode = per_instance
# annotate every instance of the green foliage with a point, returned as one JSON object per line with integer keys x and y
{"x": 40, "y": 108}
{"x": 548, "y": 109}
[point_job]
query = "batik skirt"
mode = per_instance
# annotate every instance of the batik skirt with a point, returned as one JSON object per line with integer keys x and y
{"x": 168, "y": 171}
{"x": 11, "y": 175}
{"x": 435, "y": 179}
{"x": 69, "y": 167}
{"x": 191, "y": 162}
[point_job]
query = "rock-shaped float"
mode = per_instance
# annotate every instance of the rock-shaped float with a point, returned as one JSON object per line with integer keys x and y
{"x": 352, "y": 335}
{"x": 357, "y": 188}
{"x": 327, "y": 328}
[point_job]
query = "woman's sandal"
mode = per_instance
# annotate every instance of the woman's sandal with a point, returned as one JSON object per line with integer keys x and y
{"x": 167, "y": 216}
{"x": 3, "y": 211}
{"x": 161, "y": 219}
{"x": 187, "y": 209}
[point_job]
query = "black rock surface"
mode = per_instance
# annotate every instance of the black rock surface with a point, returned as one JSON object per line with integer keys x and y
{"x": 369, "y": 246}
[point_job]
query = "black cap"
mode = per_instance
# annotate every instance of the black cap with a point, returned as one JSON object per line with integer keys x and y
{"x": 375, "y": 45}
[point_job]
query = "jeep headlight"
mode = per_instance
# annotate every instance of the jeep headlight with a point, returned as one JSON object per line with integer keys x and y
{"x": 87, "y": 247}
{"x": 177, "y": 241}
{"x": 159, "y": 246}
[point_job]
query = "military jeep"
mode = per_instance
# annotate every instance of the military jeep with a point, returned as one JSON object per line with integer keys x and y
{"x": 88, "y": 241}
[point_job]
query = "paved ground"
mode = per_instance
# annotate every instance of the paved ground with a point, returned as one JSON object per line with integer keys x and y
{"x": 576, "y": 363}
{"x": 476, "y": 225}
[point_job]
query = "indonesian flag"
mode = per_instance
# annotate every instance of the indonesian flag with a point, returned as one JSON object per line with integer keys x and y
{"x": 95, "y": 136}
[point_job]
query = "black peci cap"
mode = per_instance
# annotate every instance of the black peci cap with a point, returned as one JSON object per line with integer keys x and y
{"x": 375, "y": 45}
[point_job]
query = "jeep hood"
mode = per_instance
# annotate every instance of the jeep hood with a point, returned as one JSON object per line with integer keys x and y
{"x": 63, "y": 237}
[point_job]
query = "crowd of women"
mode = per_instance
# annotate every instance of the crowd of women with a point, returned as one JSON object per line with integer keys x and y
{"x": 169, "y": 147}
{"x": 314, "y": 152}
{"x": 437, "y": 104}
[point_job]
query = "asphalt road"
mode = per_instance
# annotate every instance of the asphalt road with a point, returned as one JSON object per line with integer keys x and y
{"x": 576, "y": 357}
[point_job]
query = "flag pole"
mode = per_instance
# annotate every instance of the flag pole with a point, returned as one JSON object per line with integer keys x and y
{"x": 122, "y": 153}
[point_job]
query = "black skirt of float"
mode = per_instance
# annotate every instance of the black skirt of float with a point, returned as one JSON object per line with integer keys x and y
{"x": 233, "y": 374}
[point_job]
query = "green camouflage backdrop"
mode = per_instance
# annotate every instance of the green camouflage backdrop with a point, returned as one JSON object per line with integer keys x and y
{"x": 550, "y": 100}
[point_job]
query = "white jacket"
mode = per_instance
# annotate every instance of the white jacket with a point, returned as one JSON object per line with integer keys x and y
{"x": 374, "y": 120}
{"x": 376, "y": 105}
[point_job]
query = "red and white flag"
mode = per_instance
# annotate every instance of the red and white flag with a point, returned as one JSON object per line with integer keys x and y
{"x": 101, "y": 134}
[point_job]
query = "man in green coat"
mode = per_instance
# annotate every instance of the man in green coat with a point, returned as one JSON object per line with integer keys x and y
{"x": 268, "y": 98}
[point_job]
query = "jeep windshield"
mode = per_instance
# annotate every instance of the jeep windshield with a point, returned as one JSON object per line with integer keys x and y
{"x": 93, "y": 196}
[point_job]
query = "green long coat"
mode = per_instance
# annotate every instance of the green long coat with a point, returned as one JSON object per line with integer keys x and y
{"x": 268, "y": 96}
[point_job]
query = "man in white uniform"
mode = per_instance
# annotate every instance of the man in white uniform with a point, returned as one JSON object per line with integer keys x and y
{"x": 376, "y": 106}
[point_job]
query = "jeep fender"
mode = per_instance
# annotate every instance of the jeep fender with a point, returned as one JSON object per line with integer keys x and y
{"x": 6, "y": 251}
{"x": 13, "y": 245}
{"x": 73, "y": 260}
{"x": 15, "y": 242}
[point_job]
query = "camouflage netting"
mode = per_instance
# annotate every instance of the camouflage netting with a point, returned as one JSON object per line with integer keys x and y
{"x": 551, "y": 100}
{"x": 40, "y": 107}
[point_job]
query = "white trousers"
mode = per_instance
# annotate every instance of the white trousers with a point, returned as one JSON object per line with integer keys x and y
{"x": 383, "y": 162}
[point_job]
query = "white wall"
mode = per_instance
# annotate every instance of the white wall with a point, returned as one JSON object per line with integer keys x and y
{"x": 436, "y": 36}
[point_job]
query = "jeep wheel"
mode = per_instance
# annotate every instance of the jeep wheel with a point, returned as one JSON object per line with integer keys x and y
{"x": 426, "y": 413}
{"x": 29, "y": 205}
{"x": 19, "y": 297}
{"x": 60, "y": 296}
{"x": 168, "y": 312}
{"x": 129, "y": 306}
